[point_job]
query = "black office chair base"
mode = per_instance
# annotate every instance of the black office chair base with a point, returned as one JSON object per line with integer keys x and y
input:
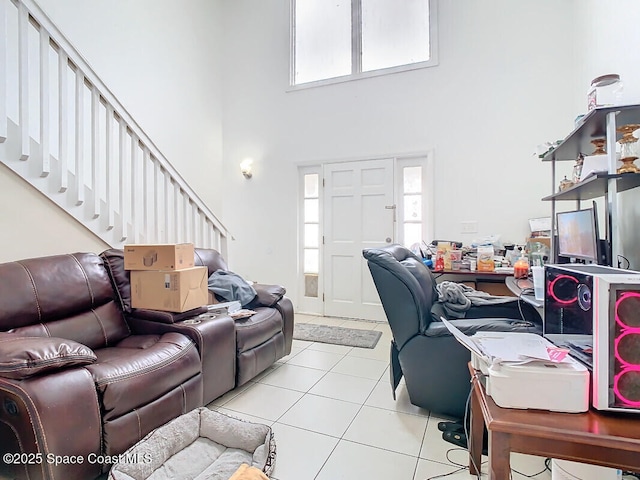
{"x": 450, "y": 427}
{"x": 459, "y": 439}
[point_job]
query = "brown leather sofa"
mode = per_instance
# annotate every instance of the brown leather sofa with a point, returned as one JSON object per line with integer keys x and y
{"x": 83, "y": 376}
{"x": 260, "y": 340}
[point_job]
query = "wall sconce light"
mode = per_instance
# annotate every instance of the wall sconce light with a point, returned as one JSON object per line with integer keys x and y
{"x": 246, "y": 167}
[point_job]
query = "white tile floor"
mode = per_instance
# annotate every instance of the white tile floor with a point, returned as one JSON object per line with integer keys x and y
{"x": 333, "y": 417}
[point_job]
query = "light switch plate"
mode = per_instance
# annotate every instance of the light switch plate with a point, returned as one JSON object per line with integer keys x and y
{"x": 470, "y": 226}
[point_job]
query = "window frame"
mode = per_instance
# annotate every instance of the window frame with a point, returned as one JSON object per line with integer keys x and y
{"x": 426, "y": 162}
{"x": 311, "y": 305}
{"x": 356, "y": 45}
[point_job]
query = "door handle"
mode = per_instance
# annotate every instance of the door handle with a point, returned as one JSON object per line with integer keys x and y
{"x": 388, "y": 239}
{"x": 391, "y": 207}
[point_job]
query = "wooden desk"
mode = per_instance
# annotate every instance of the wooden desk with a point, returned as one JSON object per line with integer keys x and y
{"x": 490, "y": 282}
{"x": 514, "y": 285}
{"x": 592, "y": 437}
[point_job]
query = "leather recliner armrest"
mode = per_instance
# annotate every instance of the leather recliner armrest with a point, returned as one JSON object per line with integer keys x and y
{"x": 469, "y": 326}
{"x": 267, "y": 295}
{"x": 67, "y": 424}
{"x": 22, "y": 357}
{"x": 166, "y": 317}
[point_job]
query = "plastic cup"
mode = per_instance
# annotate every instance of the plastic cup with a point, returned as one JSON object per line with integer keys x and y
{"x": 538, "y": 282}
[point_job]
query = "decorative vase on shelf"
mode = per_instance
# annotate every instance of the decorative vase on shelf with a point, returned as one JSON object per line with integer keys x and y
{"x": 577, "y": 169}
{"x": 564, "y": 184}
{"x": 599, "y": 143}
{"x": 629, "y": 148}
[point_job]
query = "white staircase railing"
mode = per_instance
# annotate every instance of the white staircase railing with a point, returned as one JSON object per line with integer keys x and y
{"x": 64, "y": 132}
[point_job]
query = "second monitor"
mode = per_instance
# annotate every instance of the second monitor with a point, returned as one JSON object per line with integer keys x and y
{"x": 578, "y": 237}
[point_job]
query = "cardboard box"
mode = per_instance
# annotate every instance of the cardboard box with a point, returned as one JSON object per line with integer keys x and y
{"x": 169, "y": 290}
{"x": 169, "y": 256}
{"x": 546, "y": 241}
{"x": 212, "y": 298}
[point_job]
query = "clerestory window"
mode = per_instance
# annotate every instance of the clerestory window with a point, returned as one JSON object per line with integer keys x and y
{"x": 337, "y": 40}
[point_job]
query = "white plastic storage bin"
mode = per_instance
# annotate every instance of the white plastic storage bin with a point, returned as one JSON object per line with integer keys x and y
{"x": 566, "y": 470}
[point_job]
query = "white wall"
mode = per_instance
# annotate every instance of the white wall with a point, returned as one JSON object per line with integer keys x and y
{"x": 161, "y": 60}
{"x": 505, "y": 83}
{"x": 33, "y": 226}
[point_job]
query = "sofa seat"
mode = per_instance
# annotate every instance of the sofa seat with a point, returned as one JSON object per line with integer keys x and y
{"x": 140, "y": 369}
{"x": 258, "y": 328}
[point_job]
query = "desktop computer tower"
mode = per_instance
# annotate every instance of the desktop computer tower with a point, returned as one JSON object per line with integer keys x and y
{"x": 594, "y": 311}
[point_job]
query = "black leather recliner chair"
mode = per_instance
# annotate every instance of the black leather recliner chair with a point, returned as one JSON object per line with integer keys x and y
{"x": 432, "y": 361}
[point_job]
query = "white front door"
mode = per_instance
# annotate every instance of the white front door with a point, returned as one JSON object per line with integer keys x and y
{"x": 359, "y": 212}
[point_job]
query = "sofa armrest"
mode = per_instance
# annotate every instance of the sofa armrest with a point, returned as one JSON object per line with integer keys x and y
{"x": 166, "y": 317}
{"x": 22, "y": 357}
{"x": 285, "y": 307}
{"x": 267, "y": 295}
{"x": 48, "y": 418}
{"x": 516, "y": 309}
{"x": 469, "y": 326}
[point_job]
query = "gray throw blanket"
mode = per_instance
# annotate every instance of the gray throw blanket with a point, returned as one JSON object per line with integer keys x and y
{"x": 231, "y": 286}
{"x": 457, "y": 298}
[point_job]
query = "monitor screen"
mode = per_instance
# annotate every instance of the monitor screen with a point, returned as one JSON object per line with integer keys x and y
{"x": 578, "y": 234}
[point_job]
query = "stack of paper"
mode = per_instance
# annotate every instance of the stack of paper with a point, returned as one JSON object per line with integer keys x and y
{"x": 225, "y": 307}
{"x": 524, "y": 370}
{"x": 509, "y": 347}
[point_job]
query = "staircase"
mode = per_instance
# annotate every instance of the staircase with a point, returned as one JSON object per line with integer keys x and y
{"x": 64, "y": 132}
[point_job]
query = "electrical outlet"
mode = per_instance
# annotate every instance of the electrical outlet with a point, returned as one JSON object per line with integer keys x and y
{"x": 469, "y": 227}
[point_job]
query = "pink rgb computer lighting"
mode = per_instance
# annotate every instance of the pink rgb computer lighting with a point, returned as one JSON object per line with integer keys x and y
{"x": 627, "y": 307}
{"x": 553, "y": 292}
{"x": 626, "y": 383}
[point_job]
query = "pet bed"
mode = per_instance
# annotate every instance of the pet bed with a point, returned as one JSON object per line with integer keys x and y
{"x": 200, "y": 445}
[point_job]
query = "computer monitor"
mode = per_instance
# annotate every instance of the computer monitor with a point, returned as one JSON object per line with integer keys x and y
{"x": 578, "y": 236}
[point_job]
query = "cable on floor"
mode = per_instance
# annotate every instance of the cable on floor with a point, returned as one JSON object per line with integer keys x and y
{"x": 459, "y": 465}
{"x": 547, "y": 462}
{"x": 467, "y": 410}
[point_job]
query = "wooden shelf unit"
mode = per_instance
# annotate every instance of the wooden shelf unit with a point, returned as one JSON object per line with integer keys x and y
{"x": 598, "y": 123}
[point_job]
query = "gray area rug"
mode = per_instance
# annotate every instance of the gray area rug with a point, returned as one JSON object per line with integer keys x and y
{"x": 352, "y": 337}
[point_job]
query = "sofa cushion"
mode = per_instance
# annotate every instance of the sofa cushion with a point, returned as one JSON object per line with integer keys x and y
{"x": 114, "y": 263}
{"x": 258, "y": 328}
{"x": 66, "y": 296}
{"x": 209, "y": 258}
{"x": 140, "y": 369}
{"x": 96, "y": 328}
{"x": 22, "y": 357}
